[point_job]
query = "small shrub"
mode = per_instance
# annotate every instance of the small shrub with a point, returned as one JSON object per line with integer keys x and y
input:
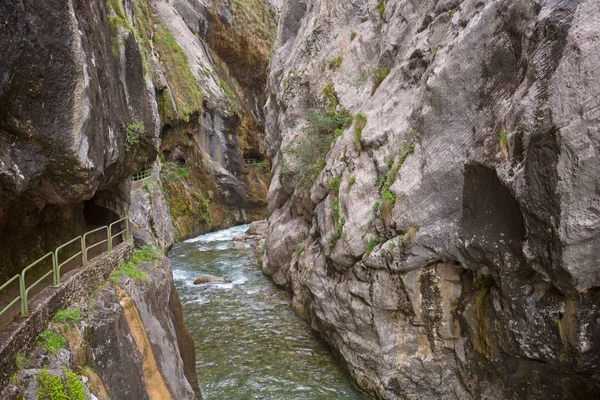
{"x": 378, "y": 76}
{"x": 74, "y": 386}
{"x": 72, "y": 315}
{"x": 335, "y": 63}
{"x": 353, "y": 35}
{"x": 134, "y": 130}
{"x": 50, "y": 387}
{"x": 340, "y": 222}
{"x": 334, "y": 185}
{"x": 173, "y": 172}
{"x": 352, "y": 180}
{"x": 330, "y": 97}
{"x": 503, "y": 143}
{"x": 373, "y": 242}
{"x": 299, "y": 249}
{"x": 310, "y": 150}
{"x": 389, "y": 196}
{"x": 52, "y": 342}
{"x": 360, "y": 121}
{"x": 53, "y": 387}
{"x": 381, "y": 8}
{"x": 449, "y": 15}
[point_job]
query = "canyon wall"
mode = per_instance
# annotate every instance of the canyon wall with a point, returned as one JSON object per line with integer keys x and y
{"x": 92, "y": 92}
{"x": 434, "y": 205}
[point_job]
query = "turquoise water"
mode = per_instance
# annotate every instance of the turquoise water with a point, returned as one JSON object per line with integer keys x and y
{"x": 249, "y": 345}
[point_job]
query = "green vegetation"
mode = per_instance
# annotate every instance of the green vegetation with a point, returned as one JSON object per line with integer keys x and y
{"x": 134, "y": 130}
{"x": 434, "y": 53}
{"x": 353, "y": 35}
{"x": 449, "y": 14}
{"x": 130, "y": 269}
{"x": 184, "y": 87}
{"x": 335, "y": 63}
{"x": 258, "y": 21}
{"x": 141, "y": 30}
{"x": 339, "y": 221}
{"x": 373, "y": 242}
{"x": 71, "y": 315}
{"x": 146, "y": 187}
{"x": 388, "y": 196}
{"x": 299, "y": 249}
{"x": 503, "y": 143}
{"x": 360, "y": 121}
{"x": 20, "y": 361}
{"x": 381, "y": 8}
{"x": 334, "y": 185}
{"x": 330, "y": 97}
{"x": 173, "y": 172}
{"x": 262, "y": 167}
{"x": 51, "y": 341}
{"x": 53, "y": 387}
{"x": 378, "y": 75}
{"x": 352, "y": 180}
{"x": 230, "y": 95}
{"x": 376, "y": 207}
{"x": 310, "y": 151}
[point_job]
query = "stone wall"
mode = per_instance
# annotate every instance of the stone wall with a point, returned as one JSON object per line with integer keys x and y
{"x": 21, "y": 335}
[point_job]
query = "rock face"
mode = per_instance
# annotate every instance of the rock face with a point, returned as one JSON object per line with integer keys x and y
{"x": 95, "y": 91}
{"x": 448, "y": 247}
{"x": 128, "y": 342}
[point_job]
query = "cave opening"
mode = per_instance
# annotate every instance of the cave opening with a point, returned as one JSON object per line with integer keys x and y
{"x": 96, "y": 215}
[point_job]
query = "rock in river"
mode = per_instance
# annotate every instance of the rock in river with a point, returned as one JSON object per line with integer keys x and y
{"x": 211, "y": 279}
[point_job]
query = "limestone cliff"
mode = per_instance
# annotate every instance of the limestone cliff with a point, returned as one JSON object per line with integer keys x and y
{"x": 94, "y": 91}
{"x": 127, "y": 340}
{"x": 444, "y": 239}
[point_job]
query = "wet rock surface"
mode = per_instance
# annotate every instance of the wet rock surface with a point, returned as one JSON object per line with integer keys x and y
{"x": 210, "y": 279}
{"x": 467, "y": 252}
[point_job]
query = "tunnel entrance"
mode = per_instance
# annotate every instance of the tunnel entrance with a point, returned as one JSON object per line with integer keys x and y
{"x": 95, "y": 215}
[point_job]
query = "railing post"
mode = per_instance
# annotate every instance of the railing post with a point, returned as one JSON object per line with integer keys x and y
{"x": 24, "y": 309}
{"x": 127, "y": 237}
{"x": 55, "y": 268}
{"x": 83, "y": 251}
{"x": 109, "y": 238}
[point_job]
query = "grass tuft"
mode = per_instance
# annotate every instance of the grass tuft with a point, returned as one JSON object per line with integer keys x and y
{"x": 335, "y": 63}
{"x": 379, "y": 74}
{"x": 52, "y": 342}
{"x": 334, "y": 185}
{"x": 503, "y": 144}
{"x": 71, "y": 315}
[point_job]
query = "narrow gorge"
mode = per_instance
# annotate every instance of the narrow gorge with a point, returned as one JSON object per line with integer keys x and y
{"x": 425, "y": 173}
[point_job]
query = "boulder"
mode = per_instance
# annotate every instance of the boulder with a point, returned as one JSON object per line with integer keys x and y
{"x": 210, "y": 279}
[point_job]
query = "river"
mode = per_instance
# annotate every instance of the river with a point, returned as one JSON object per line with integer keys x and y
{"x": 249, "y": 344}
